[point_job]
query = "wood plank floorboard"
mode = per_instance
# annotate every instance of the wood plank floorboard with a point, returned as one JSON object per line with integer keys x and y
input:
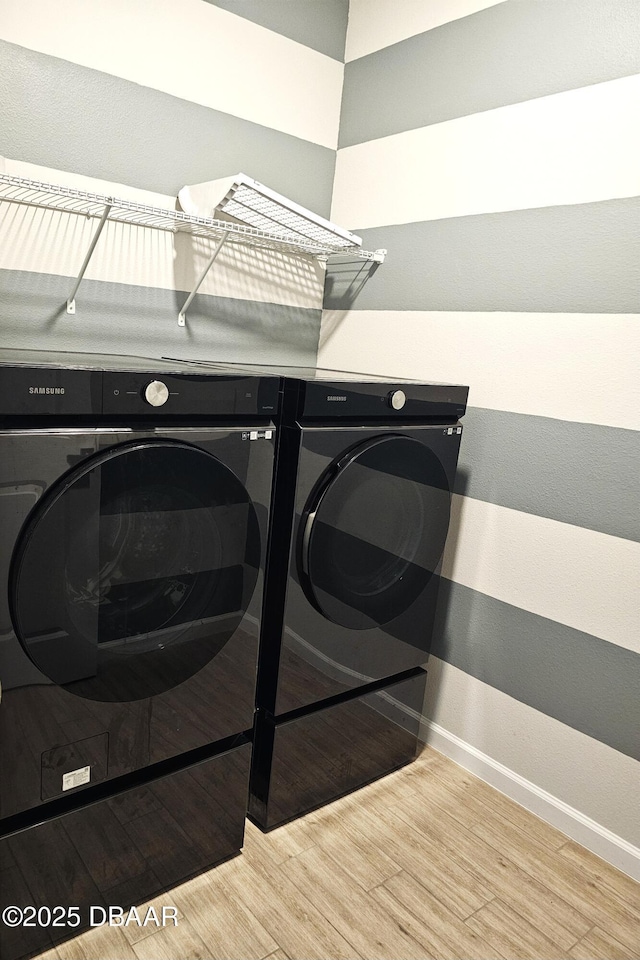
{"x": 107, "y": 942}
{"x": 490, "y": 803}
{"x": 428, "y": 863}
{"x": 571, "y": 883}
{"x": 443, "y": 934}
{"x": 218, "y": 917}
{"x": 605, "y": 875}
{"x": 460, "y": 890}
{"x": 600, "y": 946}
{"x": 556, "y": 918}
{"x": 293, "y": 919}
{"x": 515, "y": 937}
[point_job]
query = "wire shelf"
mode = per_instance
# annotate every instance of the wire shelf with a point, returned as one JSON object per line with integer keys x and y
{"x": 253, "y": 204}
{"x": 69, "y": 200}
{"x": 49, "y": 196}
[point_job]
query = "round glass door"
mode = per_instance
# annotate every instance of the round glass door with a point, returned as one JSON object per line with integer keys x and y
{"x": 373, "y": 533}
{"x": 134, "y": 570}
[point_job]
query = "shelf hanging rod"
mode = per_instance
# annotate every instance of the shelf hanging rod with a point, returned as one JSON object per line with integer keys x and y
{"x": 182, "y": 319}
{"x": 71, "y": 302}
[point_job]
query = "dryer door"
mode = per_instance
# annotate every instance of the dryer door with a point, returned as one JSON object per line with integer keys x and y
{"x": 374, "y": 531}
{"x": 134, "y": 570}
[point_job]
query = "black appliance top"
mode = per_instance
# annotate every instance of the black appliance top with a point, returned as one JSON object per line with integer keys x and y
{"x": 318, "y": 394}
{"x": 298, "y": 372}
{"x": 75, "y": 360}
{"x": 39, "y": 383}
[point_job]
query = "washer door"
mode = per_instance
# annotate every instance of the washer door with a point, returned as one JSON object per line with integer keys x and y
{"x": 374, "y": 530}
{"x": 134, "y": 570}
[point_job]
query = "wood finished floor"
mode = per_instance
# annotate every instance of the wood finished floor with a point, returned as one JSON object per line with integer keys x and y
{"x": 429, "y": 862}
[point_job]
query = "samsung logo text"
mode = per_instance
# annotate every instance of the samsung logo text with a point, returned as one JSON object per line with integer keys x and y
{"x": 56, "y": 391}
{"x": 336, "y": 398}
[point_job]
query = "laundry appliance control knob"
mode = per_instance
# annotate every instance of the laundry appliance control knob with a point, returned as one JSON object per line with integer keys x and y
{"x": 397, "y": 399}
{"x": 156, "y": 393}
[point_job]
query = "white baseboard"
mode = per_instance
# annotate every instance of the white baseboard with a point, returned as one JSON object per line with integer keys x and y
{"x": 592, "y": 835}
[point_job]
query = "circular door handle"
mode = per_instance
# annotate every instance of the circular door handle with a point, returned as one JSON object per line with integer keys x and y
{"x": 156, "y": 393}
{"x": 397, "y": 399}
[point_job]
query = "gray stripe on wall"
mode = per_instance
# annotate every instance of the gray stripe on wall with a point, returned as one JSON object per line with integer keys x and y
{"x": 509, "y": 53}
{"x": 582, "y": 258}
{"x": 585, "y": 682}
{"x": 61, "y": 115}
{"x": 320, "y": 24}
{"x": 122, "y": 318}
{"x": 579, "y": 473}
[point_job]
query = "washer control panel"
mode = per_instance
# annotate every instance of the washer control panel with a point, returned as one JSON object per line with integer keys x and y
{"x": 131, "y": 394}
{"x": 39, "y": 390}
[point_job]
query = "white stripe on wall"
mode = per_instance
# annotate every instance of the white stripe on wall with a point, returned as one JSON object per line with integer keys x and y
{"x": 573, "y": 147}
{"x": 192, "y": 50}
{"x": 584, "y": 773}
{"x": 43, "y": 241}
{"x": 570, "y": 366}
{"x": 374, "y": 24}
{"x": 576, "y": 576}
{"x": 64, "y": 178}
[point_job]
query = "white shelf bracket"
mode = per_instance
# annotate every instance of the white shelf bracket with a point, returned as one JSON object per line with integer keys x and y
{"x": 182, "y": 316}
{"x": 71, "y": 302}
{"x": 376, "y": 256}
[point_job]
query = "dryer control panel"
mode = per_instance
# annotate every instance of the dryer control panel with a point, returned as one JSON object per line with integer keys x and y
{"x": 376, "y": 400}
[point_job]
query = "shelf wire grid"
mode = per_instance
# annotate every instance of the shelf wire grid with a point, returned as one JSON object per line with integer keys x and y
{"x": 49, "y": 196}
{"x": 267, "y": 214}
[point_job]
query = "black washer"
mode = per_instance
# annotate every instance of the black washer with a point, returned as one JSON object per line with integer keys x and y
{"x": 142, "y": 562}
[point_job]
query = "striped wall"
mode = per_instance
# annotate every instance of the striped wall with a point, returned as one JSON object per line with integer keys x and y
{"x": 494, "y": 149}
{"x": 135, "y": 100}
